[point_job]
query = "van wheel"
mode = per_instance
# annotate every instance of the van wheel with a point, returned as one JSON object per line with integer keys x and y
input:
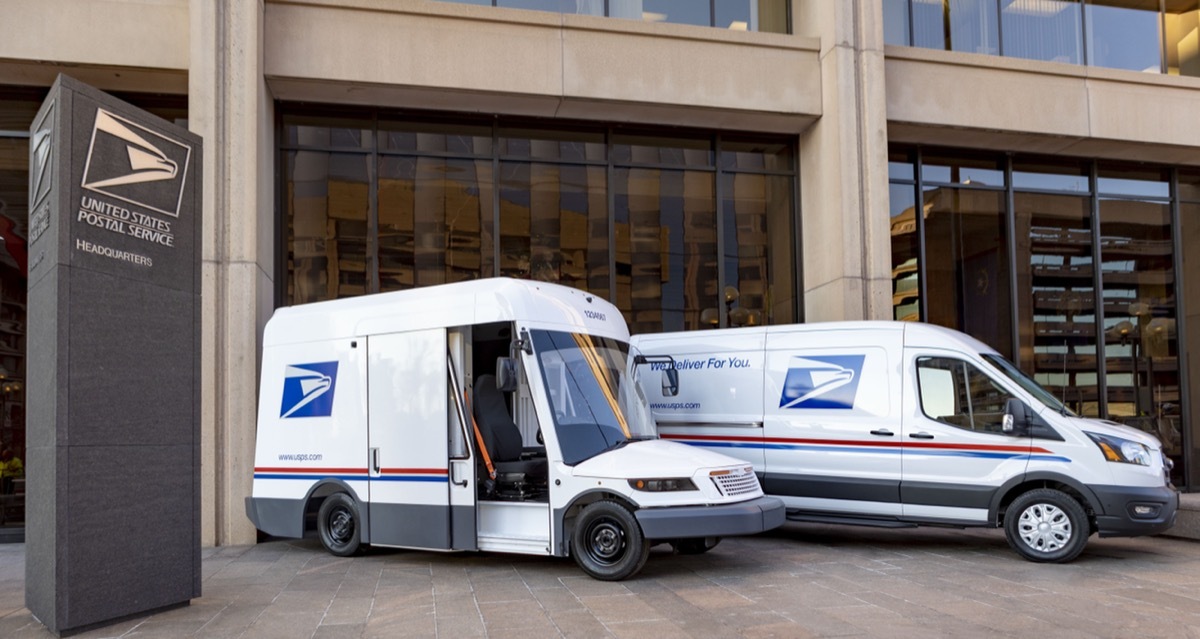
{"x": 608, "y": 543}
{"x": 1046, "y": 525}
{"x": 338, "y": 525}
{"x": 696, "y": 546}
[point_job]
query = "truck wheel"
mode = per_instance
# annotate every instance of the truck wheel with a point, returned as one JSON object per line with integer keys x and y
{"x": 608, "y": 543}
{"x": 695, "y": 546}
{"x": 338, "y": 524}
{"x": 1046, "y": 525}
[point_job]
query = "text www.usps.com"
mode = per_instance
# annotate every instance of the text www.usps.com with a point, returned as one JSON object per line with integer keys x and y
{"x": 300, "y": 457}
{"x": 675, "y": 405}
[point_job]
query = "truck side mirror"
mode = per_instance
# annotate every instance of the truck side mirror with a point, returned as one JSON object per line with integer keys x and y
{"x": 1016, "y": 417}
{"x": 506, "y": 374}
{"x": 670, "y": 382}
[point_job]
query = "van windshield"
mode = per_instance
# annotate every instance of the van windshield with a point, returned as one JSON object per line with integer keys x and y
{"x": 1026, "y": 382}
{"x": 596, "y": 405}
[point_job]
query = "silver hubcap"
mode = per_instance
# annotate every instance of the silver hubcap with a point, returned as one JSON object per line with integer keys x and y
{"x": 1044, "y": 527}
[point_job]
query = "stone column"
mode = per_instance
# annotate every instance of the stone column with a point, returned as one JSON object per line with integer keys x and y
{"x": 230, "y": 106}
{"x": 843, "y": 166}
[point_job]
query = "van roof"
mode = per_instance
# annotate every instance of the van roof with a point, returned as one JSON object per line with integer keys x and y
{"x": 915, "y": 333}
{"x": 500, "y": 299}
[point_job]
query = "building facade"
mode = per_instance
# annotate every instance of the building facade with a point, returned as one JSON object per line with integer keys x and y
{"x": 728, "y": 163}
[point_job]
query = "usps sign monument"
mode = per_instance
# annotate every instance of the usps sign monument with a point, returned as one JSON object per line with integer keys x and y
{"x": 113, "y": 470}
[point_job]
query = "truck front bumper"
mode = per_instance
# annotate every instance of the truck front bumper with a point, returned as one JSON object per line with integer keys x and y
{"x": 1135, "y": 511}
{"x": 682, "y": 522}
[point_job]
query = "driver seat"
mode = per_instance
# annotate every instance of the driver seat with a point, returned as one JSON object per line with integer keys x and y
{"x": 501, "y": 436}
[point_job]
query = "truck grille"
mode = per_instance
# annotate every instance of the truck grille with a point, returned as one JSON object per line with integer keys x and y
{"x": 738, "y": 482}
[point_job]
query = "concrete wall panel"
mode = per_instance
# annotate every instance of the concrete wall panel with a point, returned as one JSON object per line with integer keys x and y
{"x": 132, "y": 33}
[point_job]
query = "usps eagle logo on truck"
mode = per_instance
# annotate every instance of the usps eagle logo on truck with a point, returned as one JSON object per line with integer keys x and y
{"x": 308, "y": 390}
{"x": 827, "y": 381}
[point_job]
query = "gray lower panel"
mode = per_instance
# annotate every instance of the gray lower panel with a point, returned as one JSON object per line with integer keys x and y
{"x": 463, "y": 528}
{"x": 745, "y": 518}
{"x": 278, "y": 517}
{"x": 410, "y": 525}
{"x": 848, "y": 488}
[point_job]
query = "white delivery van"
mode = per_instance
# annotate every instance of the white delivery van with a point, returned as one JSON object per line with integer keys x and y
{"x": 899, "y": 424}
{"x": 494, "y": 415}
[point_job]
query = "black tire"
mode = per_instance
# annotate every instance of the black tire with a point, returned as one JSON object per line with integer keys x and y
{"x": 695, "y": 546}
{"x": 1046, "y": 526}
{"x": 608, "y": 543}
{"x": 339, "y": 525}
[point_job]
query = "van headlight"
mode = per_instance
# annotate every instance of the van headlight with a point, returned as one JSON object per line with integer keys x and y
{"x": 662, "y": 485}
{"x": 1125, "y": 451}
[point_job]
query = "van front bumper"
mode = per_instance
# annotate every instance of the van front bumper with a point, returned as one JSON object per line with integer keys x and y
{"x": 1131, "y": 511}
{"x": 683, "y": 522}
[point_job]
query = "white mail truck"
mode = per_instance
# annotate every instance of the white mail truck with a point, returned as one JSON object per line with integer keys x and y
{"x": 496, "y": 415}
{"x": 900, "y": 424}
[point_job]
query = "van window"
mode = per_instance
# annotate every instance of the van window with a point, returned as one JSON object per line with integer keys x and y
{"x": 957, "y": 393}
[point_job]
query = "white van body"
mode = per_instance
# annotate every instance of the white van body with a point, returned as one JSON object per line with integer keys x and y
{"x": 899, "y": 423}
{"x": 375, "y": 413}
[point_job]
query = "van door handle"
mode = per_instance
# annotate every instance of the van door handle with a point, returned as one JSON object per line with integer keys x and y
{"x": 920, "y": 435}
{"x": 883, "y": 431}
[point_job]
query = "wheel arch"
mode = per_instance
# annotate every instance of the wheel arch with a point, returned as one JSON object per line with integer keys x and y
{"x": 324, "y": 488}
{"x": 564, "y": 518}
{"x": 1018, "y": 486}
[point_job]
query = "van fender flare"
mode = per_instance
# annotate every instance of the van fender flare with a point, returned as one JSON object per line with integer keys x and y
{"x": 562, "y": 548}
{"x": 1000, "y": 497}
{"x": 326, "y": 487}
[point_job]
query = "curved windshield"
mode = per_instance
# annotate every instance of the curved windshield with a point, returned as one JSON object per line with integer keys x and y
{"x": 1024, "y": 381}
{"x": 596, "y": 405}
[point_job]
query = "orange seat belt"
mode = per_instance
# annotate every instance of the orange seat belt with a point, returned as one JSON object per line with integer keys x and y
{"x": 487, "y": 459}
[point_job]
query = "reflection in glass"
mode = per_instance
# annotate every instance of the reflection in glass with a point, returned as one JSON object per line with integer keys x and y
{"x": 1056, "y": 303}
{"x": 544, "y": 144}
{"x": 1182, "y": 34}
{"x": 326, "y": 202}
{"x": 435, "y": 137}
{"x": 692, "y": 152}
{"x": 553, "y": 224}
{"x": 677, "y": 12}
{"x": 1189, "y": 235}
{"x": 1051, "y": 174}
{"x": 326, "y": 133}
{"x": 895, "y": 22}
{"x": 956, "y": 25}
{"x": 1189, "y": 187}
{"x": 748, "y": 154}
{"x": 14, "y": 220}
{"x": 1140, "y": 345}
{"x": 666, "y": 248}
{"x": 1134, "y": 180}
{"x": 758, "y": 230}
{"x": 967, "y": 264}
{"x": 434, "y": 216}
{"x": 1042, "y": 30}
{"x": 1123, "y": 35}
{"x": 962, "y": 169}
{"x": 906, "y": 276}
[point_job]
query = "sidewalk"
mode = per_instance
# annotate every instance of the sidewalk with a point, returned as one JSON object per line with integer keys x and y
{"x": 799, "y": 581}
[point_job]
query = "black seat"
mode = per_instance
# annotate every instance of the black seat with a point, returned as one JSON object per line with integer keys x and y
{"x": 500, "y": 434}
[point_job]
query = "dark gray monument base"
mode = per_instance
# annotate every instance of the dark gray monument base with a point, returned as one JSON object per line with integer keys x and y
{"x": 113, "y": 469}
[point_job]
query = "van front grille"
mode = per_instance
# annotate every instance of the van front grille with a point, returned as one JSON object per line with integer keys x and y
{"x": 739, "y": 482}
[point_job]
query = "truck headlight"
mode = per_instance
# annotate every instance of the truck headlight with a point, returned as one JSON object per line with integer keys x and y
{"x": 1125, "y": 451}
{"x": 662, "y": 485}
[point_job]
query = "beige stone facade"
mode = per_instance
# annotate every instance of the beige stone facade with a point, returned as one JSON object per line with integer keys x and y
{"x": 833, "y": 84}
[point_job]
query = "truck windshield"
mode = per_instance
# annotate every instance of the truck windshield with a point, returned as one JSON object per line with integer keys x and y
{"x": 596, "y": 405}
{"x": 1024, "y": 381}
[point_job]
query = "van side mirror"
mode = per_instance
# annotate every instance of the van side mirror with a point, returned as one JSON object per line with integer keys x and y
{"x": 506, "y": 374}
{"x": 1016, "y": 417}
{"x": 670, "y": 382}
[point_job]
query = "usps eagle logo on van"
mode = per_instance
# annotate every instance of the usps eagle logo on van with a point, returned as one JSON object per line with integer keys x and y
{"x": 821, "y": 381}
{"x": 308, "y": 390}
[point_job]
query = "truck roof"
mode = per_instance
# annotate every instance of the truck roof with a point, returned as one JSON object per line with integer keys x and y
{"x": 915, "y": 333}
{"x": 539, "y": 304}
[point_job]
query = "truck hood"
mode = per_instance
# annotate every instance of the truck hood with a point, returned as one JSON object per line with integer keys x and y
{"x": 1105, "y": 427}
{"x": 653, "y": 458}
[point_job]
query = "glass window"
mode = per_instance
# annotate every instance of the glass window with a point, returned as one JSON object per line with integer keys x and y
{"x": 1124, "y": 35}
{"x": 962, "y": 169}
{"x": 1141, "y": 354}
{"x": 758, "y": 269}
{"x": 545, "y": 144}
{"x": 748, "y": 154}
{"x": 895, "y": 22}
{"x": 1043, "y": 30}
{"x": 538, "y": 5}
{"x": 435, "y": 137}
{"x": 1056, "y": 298}
{"x": 900, "y": 166}
{"x": 666, "y": 249}
{"x": 435, "y": 221}
{"x": 956, "y": 25}
{"x": 906, "y": 275}
{"x": 676, "y": 11}
{"x": 1182, "y": 34}
{"x": 689, "y": 152}
{"x": 1134, "y": 180}
{"x": 957, "y": 393}
{"x": 554, "y": 225}
{"x": 325, "y": 133}
{"x": 1051, "y": 174}
{"x": 966, "y": 265}
{"x": 14, "y": 220}
{"x": 326, "y": 203}
{"x": 1189, "y": 187}
{"x": 1189, "y": 235}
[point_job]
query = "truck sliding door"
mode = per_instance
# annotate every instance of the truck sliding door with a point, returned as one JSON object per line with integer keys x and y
{"x": 408, "y": 453}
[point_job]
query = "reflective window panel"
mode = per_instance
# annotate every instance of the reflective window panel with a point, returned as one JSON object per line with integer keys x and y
{"x": 895, "y": 22}
{"x": 14, "y": 268}
{"x": 1189, "y": 235}
{"x": 906, "y": 275}
{"x": 1048, "y": 30}
{"x": 325, "y": 203}
{"x": 1124, "y": 34}
{"x": 759, "y": 280}
{"x": 956, "y": 25}
{"x": 1181, "y": 31}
